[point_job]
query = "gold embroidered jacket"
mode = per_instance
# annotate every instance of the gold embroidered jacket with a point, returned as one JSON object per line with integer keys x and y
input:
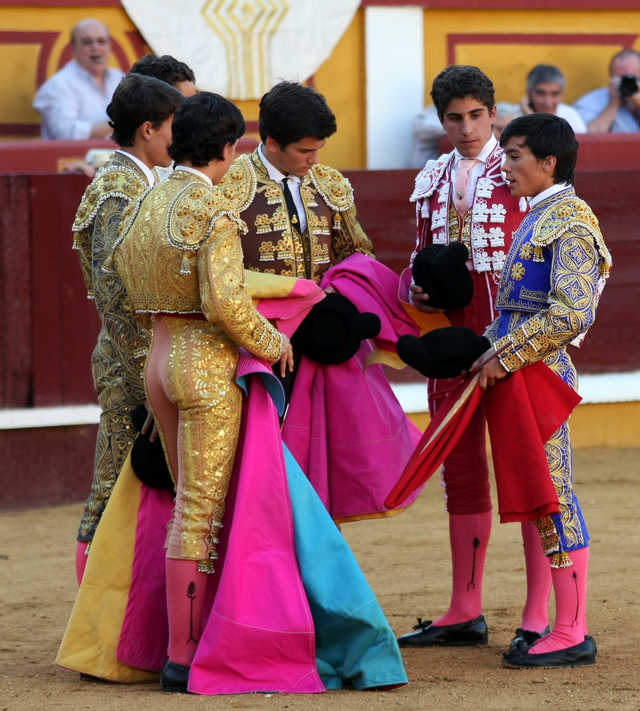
{"x": 552, "y": 280}
{"x": 118, "y": 358}
{"x": 272, "y": 244}
{"x": 179, "y": 252}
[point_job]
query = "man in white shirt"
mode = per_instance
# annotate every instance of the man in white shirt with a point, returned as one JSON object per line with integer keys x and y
{"x": 545, "y": 88}
{"x": 73, "y": 102}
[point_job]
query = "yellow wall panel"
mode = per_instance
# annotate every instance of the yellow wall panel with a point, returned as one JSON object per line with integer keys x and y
{"x": 584, "y": 63}
{"x": 342, "y": 79}
{"x": 18, "y": 60}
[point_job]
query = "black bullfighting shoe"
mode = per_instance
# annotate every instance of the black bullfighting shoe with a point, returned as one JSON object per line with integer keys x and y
{"x": 580, "y": 655}
{"x": 174, "y": 678}
{"x": 523, "y": 640}
{"x": 464, "y": 634}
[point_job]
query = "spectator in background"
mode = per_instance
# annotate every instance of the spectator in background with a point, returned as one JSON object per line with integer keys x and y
{"x": 427, "y": 132}
{"x": 506, "y": 112}
{"x": 545, "y": 89}
{"x": 614, "y": 108}
{"x": 169, "y": 69}
{"x": 73, "y": 102}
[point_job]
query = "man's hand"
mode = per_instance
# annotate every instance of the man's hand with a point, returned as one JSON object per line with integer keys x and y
{"x": 286, "y": 356}
{"x": 419, "y": 299}
{"x": 490, "y": 372}
{"x": 148, "y": 423}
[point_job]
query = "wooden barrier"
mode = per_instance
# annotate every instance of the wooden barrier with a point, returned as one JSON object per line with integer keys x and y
{"x": 48, "y": 327}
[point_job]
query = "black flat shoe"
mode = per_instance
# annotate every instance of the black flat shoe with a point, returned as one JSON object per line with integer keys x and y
{"x": 523, "y": 640}
{"x": 464, "y": 634}
{"x": 588, "y": 638}
{"x": 579, "y": 655}
{"x": 174, "y": 678}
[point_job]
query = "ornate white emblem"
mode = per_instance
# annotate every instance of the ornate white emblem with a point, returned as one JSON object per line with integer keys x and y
{"x": 496, "y": 236}
{"x": 481, "y": 261}
{"x": 439, "y": 237}
{"x": 480, "y": 211}
{"x": 498, "y": 260}
{"x": 484, "y": 188}
{"x": 443, "y": 193}
{"x": 439, "y": 218}
{"x": 497, "y": 213}
{"x": 479, "y": 237}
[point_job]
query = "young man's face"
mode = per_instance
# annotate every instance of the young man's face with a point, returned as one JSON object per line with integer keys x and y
{"x": 526, "y": 175}
{"x": 296, "y": 158}
{"x": 159, "y": 141}
{"x": 545, "y": 97}
{"x": 186, "y": 88}
{"x": 468, "y": 125}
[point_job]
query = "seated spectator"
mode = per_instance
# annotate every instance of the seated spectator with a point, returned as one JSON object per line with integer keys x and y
{"x": 614, "y": 108}
{"x": 169, "y": 69}
{"x": 505, "y": 113}
{"x": 545, "y": 89}
{"x": 73, "y": 102}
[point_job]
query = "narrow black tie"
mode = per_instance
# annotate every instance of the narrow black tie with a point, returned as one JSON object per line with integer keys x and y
{"x": 291, "y": 206}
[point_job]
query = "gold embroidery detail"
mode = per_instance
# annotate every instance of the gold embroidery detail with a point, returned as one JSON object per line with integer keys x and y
{"x": 517, "y": 271}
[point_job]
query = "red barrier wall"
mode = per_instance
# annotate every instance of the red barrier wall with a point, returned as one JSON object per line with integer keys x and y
{"x": 48, "y": 327}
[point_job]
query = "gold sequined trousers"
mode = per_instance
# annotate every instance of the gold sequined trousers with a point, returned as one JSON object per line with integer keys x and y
{"x": 120, "y": 391}
{"x": 190, "y": 381}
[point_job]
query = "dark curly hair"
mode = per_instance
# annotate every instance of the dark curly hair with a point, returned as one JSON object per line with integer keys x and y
{"x": 202, "y": 127}
{"x": 166, "y": 67}
{"x": 460, "y": 81}
{"x": 138, "y": 99}
{"x": 547, "y": 135}
{"x": 291, "y": 111}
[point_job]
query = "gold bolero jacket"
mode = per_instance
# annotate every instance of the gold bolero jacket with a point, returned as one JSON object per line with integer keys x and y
{"x": 179, "y": 252}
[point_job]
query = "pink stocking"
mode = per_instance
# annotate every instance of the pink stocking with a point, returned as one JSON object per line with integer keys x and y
{"x": 570, "y": 592}
{"x": 469, "y": 538}
{"x": 185, "y": 598}
{"x": 81, "y": 560}
{"x": 535, "y": 615}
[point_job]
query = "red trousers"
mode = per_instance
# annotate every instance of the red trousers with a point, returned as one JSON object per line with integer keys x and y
{"x": 466, "y": 470}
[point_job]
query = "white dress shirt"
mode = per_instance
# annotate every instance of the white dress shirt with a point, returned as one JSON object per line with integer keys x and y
{"x": 148, "y": 173}
{"x": 71, "y": 102}
{"x": 294, "y": 186}
{"x": 556, "y": 188}
{"x": 478, "y": 169}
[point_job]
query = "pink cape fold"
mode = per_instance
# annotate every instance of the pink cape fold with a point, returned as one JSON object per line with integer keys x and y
{"x": 288, "y": 312}
{"x": 375, "y": 288}
{"x": 259, "y": 635}
{"x": 145, "y": 634}
{"x": 345, "y": 427}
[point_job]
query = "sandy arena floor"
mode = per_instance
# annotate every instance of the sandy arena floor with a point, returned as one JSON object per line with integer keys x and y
{"x": 406, "y": 562}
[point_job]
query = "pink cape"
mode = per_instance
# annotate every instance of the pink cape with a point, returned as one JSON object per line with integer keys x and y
{"x": 259, "y": 635}
{"x": 345, "y": 427}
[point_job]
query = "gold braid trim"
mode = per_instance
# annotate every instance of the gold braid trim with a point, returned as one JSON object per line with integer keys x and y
{"x": 560, "y": 560}
{"x": 333, "y": 186}
{"x": 115, "y": 181}
{"x": 564, "y": 217}
{"x": 239, "y": 184}
{"x": 548, "y": 535}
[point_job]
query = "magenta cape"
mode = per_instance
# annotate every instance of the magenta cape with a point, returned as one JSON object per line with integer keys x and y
{"x": 288, "y": 609}
{"x": 344, "y": 425}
